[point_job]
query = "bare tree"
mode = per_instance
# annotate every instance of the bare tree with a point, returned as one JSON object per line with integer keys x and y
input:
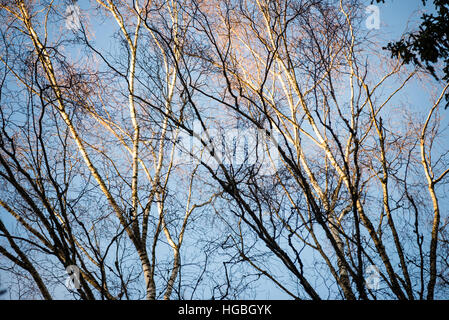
{"x": 299, "y": 70}
{"x": 71, "y": 158}
{"x": 266, "y": 134}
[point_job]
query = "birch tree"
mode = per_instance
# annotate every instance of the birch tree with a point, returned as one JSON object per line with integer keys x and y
{"x": 214, "y": 144}
{"x": 79, "y": 150}
{"x": 340, "y": 191}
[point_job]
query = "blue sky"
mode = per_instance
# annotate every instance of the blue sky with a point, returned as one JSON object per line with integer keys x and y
{"x": 394, "y": 15}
